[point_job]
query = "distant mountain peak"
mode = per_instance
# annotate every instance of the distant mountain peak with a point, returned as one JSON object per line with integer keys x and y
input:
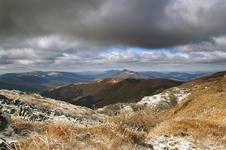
{"x": 129, "y": 74}
{"x": 129, "y": 71}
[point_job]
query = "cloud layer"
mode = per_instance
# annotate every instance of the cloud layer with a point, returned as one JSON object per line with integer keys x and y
{"x": 55, "y": 34}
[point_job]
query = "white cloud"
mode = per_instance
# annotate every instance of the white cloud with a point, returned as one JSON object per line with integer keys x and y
{"x": 18, "y": 53}
{"x": 52, "y": 42}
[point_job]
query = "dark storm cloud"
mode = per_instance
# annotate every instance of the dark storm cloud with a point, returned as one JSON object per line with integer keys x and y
{"x": 142, "y": 23}
{"x": 82, "y": 33}
{"x": 42, "y": 16}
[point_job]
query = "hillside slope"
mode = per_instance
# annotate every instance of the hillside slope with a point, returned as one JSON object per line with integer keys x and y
{"x": 201, "y": 115}
{"x": 189, "y": 116}
{"x": 109, "y": 91}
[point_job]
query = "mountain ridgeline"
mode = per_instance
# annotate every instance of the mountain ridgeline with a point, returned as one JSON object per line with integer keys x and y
{"x": 110, "y": 91}
{"x": 40, "y": 81}
{"x": 94, "y": 89}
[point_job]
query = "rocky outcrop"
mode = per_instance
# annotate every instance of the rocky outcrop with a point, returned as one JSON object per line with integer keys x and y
{"x": 4, "y": 145}
{"x": 4, "y": 121}
{"x": 167, "y": 99}
{"x": 36, "y": 109}
{"x": 6, "y": 130}
{"x": 167, "y": 142}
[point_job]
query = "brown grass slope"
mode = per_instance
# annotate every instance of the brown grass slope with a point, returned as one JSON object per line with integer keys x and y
{"x": 110, "y": 91}
{"x": 202, "y": 115}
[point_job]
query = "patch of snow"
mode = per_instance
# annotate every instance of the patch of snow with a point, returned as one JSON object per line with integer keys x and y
{"x": 151, "y": 100}
{"x": 38, "y": 75}
{"x": 98, "y": 81}
{"x": 172, "y": 142}
{"x": 9, "y": 139}
{"x": 114, "y": 81}
{"x": 175, "y": 94}
{"x": 129, "y": 73}
{"x": 181, "y": 94}
{"x": 127, "y": 109}
{"x": 53, "y": 74}
{"x": 61, "y": 119}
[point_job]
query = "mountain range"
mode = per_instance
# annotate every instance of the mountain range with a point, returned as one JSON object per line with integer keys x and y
{"x": 40, "y": 81}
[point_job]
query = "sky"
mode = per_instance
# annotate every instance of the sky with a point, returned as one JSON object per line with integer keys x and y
{"x": 93, "y": 35}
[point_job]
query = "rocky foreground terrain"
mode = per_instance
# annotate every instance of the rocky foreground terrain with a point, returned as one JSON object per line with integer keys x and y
{"x": 186, "y": 117}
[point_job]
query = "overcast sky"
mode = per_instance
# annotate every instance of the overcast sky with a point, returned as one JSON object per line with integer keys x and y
{"x": 83, "y": 35}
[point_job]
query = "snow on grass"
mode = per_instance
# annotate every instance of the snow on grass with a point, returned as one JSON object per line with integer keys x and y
{"x": 170, "y": 97}
{"x": 172, "y": 142}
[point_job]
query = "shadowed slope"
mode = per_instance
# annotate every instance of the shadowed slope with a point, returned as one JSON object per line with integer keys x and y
{"x": 110, "y": 91}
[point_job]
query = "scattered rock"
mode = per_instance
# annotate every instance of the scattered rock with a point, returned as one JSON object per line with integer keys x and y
{"x": 166, "y": 99}
{"x": 29, "y": 112}
{"x": 172, "y": 143}
{"x": 4, "y": 145}
{"x": 4, "y": 121}
{"x": 127, "y": 109}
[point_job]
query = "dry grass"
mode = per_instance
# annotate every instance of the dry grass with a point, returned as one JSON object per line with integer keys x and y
{"x": 198, "y": 129}
{"x": 195, "y": 118}
{"x": 202, "y": 115}
{"x": 67, "y": 136}
{"x": 122, "y": 132}
{"x": 143, "y": 120}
